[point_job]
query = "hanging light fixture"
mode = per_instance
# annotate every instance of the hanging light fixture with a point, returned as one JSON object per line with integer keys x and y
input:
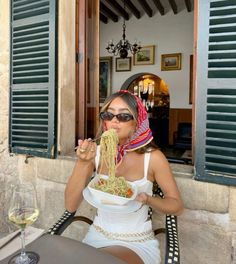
{"x": 123, "y": 47}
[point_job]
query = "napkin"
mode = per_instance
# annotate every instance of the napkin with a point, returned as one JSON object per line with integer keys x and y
{"x": 31, "y": 233}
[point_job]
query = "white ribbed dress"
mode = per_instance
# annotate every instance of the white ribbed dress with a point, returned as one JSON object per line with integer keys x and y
{"x": 131, "y": 230}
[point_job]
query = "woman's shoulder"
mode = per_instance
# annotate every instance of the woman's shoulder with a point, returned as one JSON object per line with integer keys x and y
{"x": 156, "y": 153}
{"x": 157, "y": 157}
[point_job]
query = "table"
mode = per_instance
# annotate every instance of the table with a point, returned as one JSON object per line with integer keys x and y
{"x": 54, "y": 249}
{"x": 187, "y": 156}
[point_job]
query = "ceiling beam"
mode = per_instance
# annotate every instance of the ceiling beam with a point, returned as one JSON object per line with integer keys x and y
{"x": 146, "y": 7}
{"x": 132, "y": 8}
{"x": 173, "y": 6}
{"x": 159, "y": 6}
{"x": 107, "y": 12}
{"x": 188, "y": 5}
{"x": 120, "y": 10}
{"x": 103, "y": 18}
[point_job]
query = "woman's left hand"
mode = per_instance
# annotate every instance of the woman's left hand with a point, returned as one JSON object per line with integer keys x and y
{"x": 142, "y": 198}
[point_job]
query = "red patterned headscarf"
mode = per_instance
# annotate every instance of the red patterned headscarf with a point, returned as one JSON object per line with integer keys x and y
{"x": 143, "y": 134}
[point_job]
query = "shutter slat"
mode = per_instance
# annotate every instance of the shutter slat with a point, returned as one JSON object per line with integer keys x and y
{"x": 32, "y": 73}
{"x": 29, "y": 50}
{"x": 223, "y": 12}
{"x": 220, "y": 160}
{"x": 31, "y": 43}
{"x": 30, "y": 121}
{"x": 221, "y": 152}
{"x": 219, "y": 143}
{"x": 221, "y": 47}
{"x": 34, "y": 96}
{"x": 222, "y": 21}
{"x": 221, "y": 117}
{"x": 222, "y": 73}
{"x": 29, "y": 128}
{"x": 230, "y": 55}
{"x": 32, "y": 37}
{"x": 22, "y": 147}
{"x": 218, "y": 168}
{"x": 216, "y": 29}
{"x": 31, "y": 61}
{"x": 224, "y": 3}
{"x": 22, "y": 135}
{"x": 221, "y": 125}
{"x": 31, "y": 55}
{"x": 220, "y": 135}
{"x": 221, "y": 108}
{"x": 32, "y": 67}
{"x": 223, "y": 64}
{"x": 24, "y": 131}
{"x": 221, "y": 100}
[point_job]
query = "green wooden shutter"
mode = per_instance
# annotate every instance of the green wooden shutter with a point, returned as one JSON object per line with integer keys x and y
{"x": 216, "y": 90}
{"x": 33, "y": 77}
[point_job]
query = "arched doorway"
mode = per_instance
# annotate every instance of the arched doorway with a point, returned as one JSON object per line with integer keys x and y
{"x": 154, "y": 94}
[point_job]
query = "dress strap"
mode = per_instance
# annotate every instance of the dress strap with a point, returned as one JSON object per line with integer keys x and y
{"x": 146, "y": 163}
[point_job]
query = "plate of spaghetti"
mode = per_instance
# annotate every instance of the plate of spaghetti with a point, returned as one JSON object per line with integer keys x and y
{"x": 109, "y": 189}
{"x": 128, "y": 207}
{"x": 115, "y": 192}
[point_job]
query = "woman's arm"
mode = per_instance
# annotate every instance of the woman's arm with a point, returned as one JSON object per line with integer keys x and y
{"x": 159, "y": 170}
{"x": 81, "y": 174}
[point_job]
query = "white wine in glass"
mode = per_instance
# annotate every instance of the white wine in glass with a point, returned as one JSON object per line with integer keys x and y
{"x": 23, "y": 211}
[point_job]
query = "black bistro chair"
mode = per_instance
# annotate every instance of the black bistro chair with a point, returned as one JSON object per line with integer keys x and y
{"x": 172, "y": 254}
{"x": 183, "y": 136}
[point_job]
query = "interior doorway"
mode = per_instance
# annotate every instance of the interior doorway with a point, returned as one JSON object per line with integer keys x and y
{"x": 154, "y": 94}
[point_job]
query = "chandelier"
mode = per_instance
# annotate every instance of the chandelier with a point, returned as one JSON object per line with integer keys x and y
{"x": 123, "y": 47}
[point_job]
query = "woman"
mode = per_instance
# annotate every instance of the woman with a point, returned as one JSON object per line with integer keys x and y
{"x": 139, "y": 161}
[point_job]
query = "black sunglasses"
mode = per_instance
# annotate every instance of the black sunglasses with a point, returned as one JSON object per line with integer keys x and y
{"x": 122, "y": 117}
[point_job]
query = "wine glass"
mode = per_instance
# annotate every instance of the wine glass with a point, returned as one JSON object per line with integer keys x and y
{"x": 23, "y": 211}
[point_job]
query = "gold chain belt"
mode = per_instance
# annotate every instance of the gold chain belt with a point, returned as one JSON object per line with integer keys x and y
{"x": 130, "y": 237}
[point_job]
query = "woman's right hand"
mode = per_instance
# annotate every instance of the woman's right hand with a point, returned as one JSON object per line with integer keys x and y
{"x": 86, "y": 150}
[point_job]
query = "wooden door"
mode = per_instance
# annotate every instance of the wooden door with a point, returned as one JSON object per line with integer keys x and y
{"x": 87, "y": 68}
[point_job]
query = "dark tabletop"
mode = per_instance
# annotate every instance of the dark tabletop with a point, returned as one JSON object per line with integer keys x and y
{"x": 54, "y": 249}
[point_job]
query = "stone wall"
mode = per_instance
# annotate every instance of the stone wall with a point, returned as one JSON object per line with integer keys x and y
{"x": 207, "y": 228}
{"x": 8, "y": 164}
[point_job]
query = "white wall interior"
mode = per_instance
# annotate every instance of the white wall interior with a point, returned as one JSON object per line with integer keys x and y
{"x": 170, "y": 34}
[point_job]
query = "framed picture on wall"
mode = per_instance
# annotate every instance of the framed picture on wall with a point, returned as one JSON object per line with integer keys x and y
{"x": 105, "y": 75}
{"x": 123, "y": 64}
{"x": 170, "y": 62}
{"x": 145, "y": 56}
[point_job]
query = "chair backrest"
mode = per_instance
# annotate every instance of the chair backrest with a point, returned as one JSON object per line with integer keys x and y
{"x": 184, "y": 130}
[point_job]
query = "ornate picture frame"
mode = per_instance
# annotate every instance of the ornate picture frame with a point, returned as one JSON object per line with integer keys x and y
{"x": 123, "y": 64}
{"x": 170, "y": 62}
{"x": 145, "y": 56}
{"x": 105, "y": 77}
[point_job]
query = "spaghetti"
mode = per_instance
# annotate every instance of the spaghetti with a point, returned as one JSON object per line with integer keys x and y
{"x": 113, "y": 185}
